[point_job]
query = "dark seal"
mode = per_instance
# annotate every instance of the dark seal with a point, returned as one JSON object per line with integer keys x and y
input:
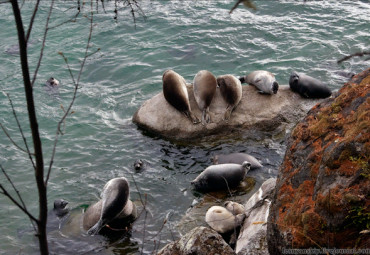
{"x": 307, "y": 86}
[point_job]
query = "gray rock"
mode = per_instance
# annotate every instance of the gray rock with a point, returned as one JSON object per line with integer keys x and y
{"x": 200, "y": 241}
{"x": 252, "y": 238}
{"x": 254, "y": 112}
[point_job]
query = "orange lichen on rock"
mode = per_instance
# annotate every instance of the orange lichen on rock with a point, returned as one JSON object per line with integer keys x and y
{"x": 324, "y": 198}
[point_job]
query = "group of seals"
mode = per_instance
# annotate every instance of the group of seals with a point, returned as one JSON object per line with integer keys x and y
{"x": 114, "y": 210}
{"x": 205, "y": 84}
{"x": 223, "y": 219}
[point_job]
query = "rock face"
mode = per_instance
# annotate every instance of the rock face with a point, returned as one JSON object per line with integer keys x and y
{"x": 252, "y": 238}
{"x": 323, "y": 185}
{"x": 200, "y": 241}
{"x": 254, "y": 112}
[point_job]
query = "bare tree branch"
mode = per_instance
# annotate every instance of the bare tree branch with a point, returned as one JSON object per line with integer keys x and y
{"x": 32, "y": 19}
{"x": 21, "y": 131}
{"x": 19, "y": 195}
{"x": 11, "y": 140}
{"x": 76, "y": 84}
{"x": 357, "y": 54}
{"x": 43, "y": 43}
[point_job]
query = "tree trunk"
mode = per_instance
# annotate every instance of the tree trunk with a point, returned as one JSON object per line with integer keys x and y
{"x": 39, "y": 169}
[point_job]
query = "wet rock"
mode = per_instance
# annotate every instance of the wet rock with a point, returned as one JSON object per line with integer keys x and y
{"x": 323, "y": 184}
{"x": 252, "y": 238}
{"x": 255, "y": 112}
{"x": 195, "y": 215}
{"x": 200, "y": 241}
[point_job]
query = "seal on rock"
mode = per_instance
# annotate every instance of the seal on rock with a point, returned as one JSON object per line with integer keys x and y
{"x": 222, "y": 220}
{"x": 176, "y": 93}
{"x": 264, "y": 81}
{"x": 308, "y": 86}
{"x": 221, "y": 177}
{"x": 115, "y": 208}
{"x": 205, "y": 85}
{"x": 236, "y": 158}
{"x": 234, "y": 208}
{"x": 231, "y": 91}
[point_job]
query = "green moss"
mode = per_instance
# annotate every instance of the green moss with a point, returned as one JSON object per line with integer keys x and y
{"x": 363, "y": 163}
{"x": 358, "y": 218}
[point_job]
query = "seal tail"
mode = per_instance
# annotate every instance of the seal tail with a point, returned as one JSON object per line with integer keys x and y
{"x": 94, "y": 230}
{"x": 228, "y": 111}
{"x": 205, "y": 116}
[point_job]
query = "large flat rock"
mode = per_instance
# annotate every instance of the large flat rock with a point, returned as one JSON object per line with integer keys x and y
{"x": 255, "y": 112}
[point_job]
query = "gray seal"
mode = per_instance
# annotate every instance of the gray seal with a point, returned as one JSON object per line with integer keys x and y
{"x": 205, "y": 85}
{"x": 221, "y": 177}
{"x": 307, "y": 86}
{"x": 114, "y": 210}
{"x": 176, "y": 93}
{"x": 231, "y": 91}
{"x": 236, "y": 158}
{"x": 60, "y": 208}
{"x": 52, "y": 82}
{"x": 264, "y": 81}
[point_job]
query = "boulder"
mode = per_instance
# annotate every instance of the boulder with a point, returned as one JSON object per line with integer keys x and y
{"x": 200, "y": 241}
{"x": 255, "y": 112}
{"x": 252, "y": 238}
{"x": 323, "y": 185}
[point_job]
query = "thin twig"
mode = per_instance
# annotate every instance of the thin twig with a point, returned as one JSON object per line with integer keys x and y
{"x": 16, "y": 190}
{"x": 32, "y": 20}
{"x": 43, "y": 42}
{"x": 13, "y": 142}
{"x": 76, "y": 84}
{"x": 21, "y": 131}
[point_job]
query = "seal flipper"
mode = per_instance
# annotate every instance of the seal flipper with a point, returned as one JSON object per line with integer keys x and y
{"x": 205, "y": 116}
{"x": 228, "y": 111}
{"x": 192, "y": 117}
{"x": 94, "y": 230}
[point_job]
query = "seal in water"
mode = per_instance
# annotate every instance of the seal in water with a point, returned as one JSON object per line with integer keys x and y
{"x": 221, "y": 177}
{"x": 204, "y": 90}
{"x": 176, "y": 93}
{"x": 264, "y": 81}
{"x": 236, "y": 158}
{"x": 222, "y": 220}
{"x": 139, "y": 165}
{"x": 308, "y": 86}
{"x": 52, "y": 82}
{"x": 114, "y": 210}
{"x": 60, "y": 209}
{"x": 231, "y": 91}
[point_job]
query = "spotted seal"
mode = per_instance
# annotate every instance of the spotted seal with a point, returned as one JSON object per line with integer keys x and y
{"x": 231, "y": 91}
{"x": 264, "y": 81}
{"x": 307, "y": 86}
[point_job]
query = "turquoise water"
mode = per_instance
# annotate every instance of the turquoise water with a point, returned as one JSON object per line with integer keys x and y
{"x": 100, "y": 140}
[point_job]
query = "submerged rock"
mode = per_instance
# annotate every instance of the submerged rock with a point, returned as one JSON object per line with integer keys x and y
{"x": 271, "y": 113}
{"x": 323, "y": 186}
{"x": 200, "y": 241}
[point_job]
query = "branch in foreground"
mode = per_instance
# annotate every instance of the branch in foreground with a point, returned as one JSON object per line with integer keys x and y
{"x": 357, "y": 54}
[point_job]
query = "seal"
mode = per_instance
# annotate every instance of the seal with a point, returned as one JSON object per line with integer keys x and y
{"x": 60, "y": 209}
{"x": 222, "y": 220}
{"x": 264, "y": 81}
{"x": 205, "y": 85}
{"x": 52, "y": 82}
{"x": 234, "y": 208}
{"x": 139, "y": 165}
{"x": 221, "y": 177}
{"x": 231, "y": 91}
{"x": 236, "y": 158}
{"x": 176, "y": 93}
{"x": 115, "y": 208}
{"x": 307, "y": 86}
